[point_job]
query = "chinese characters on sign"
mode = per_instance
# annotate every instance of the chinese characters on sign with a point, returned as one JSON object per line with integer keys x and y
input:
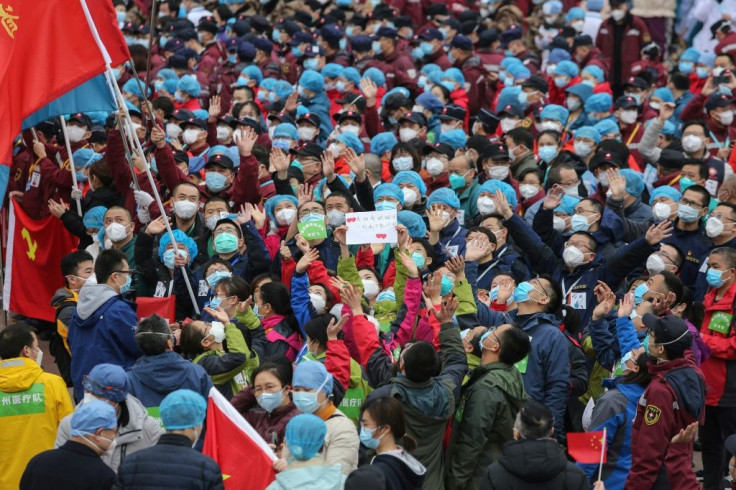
{"x": 371, "y": 227}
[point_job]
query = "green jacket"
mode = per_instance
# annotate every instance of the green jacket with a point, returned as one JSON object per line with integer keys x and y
{"x": 483, "y": 422}
{"x": 383, "y": 311}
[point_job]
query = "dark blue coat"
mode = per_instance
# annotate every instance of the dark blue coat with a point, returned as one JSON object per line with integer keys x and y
{"x": 695, "y": 247}
{"x": 507, "y": 259}
{"x": 451, "y": 244}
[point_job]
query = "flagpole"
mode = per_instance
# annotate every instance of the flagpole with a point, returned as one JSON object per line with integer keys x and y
{"x": 603, "y": 453}
{"x": 126, "y": 113}
{"x": 150, "y": 54}
{"x": 72, "y": 168}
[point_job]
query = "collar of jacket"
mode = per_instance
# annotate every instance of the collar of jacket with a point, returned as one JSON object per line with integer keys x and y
{"x": 175, "y": 440}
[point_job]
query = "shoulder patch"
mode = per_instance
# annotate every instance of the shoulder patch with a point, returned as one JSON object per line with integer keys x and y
{"x": 651, "y": 414}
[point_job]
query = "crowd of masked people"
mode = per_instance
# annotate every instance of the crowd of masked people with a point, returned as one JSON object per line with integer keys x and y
{"x": 563, "y": 181}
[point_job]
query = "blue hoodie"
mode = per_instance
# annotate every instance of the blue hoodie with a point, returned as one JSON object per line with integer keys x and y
{"x": 320, "y": 105}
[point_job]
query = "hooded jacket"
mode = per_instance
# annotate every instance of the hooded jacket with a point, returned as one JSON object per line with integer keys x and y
{"x": 32, "y": 403}
{"x": 154, "y": 377}
{"x": 102, "y": 330}
{"x": 483, "y": 422}
{"x": 533, "y": 464}
{"x": 140, "y": 431}
{"x": 401, "y": 469}
{"x": 309, "y": 475}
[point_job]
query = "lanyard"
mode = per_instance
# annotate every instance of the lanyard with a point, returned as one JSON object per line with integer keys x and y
{"x": 633, "y": 133}
{"x": 566, "y": 292}
{"x": 718, "y": 143}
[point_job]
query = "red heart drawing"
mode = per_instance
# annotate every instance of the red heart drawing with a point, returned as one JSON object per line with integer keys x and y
{"x": 350, "y": 220}
{"x": 380, "y": 235}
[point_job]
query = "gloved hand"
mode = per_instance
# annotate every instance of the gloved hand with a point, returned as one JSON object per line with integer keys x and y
{"x": 76, "y": 193}
{"x": 143, "y": 199}
{"x": 143, "y": 215}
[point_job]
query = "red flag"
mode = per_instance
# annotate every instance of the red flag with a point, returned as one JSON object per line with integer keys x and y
{"x": 587, "y": 447}
{"x": 47, "y": 49}
{"x": 244, "y": 457}
{"x": 32, "y": 275}
{"x": 164, "y": 307}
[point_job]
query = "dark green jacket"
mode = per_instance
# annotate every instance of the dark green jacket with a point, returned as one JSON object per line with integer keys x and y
{"x": 483, "y": 422}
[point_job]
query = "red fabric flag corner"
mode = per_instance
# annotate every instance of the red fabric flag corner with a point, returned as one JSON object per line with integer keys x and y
{"x": 32, "y": 275}
{"x": 246, "y": 461}
{"x": 586, "y": 447}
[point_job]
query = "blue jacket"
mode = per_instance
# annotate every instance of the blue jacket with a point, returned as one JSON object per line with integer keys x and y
{"x": 578, "y": 284}
{"x": 102, "y": 330}
{"x": 320, "y": 105}
{"x": 507, "y": 259}
{"x": 451, "y": 244}
{"x": 154, "y": 377}
{"x": 695, "y": 247}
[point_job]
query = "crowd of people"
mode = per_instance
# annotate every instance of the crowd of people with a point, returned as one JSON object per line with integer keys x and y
{"x": 562, "y": 176}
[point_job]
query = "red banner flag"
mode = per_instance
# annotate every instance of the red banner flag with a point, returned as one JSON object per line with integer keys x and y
{"x": 164, "y": 307}
{"x": 587, "y": 447}
{"x": 246, "y": 461}
{"x": 46, "y": 50}
{"x": 32, "y": 274}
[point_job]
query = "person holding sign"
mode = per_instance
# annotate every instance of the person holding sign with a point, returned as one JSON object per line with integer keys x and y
{"x": 718, "y": 334}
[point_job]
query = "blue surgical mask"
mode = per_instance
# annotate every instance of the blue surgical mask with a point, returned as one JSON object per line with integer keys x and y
{"x": 524, "y": 99}
{"x": 376, "y": 47}
{"x": 276, "y": 36}
{"x": 418, "y": 259}
{"x": 158, "y": 85}
{"x": 578, "y": 222}
{"x": 714, "y": 278}
{"x": 215, "y": 302}
{"x": 422, "y": 81}
{"x": 685, "y": 67}
{"x": 311, "y": 64}
{"x": 457, "y": 181}
{"x": 214, "y": 181}
{"x": 386, "y": 205}
{"x": 312, "y": 217}
{"x": 272, "y": 97}
{"x": 162, "y": 41}
{"x": 447, "y": 286}
{"x": 561, "y": 82}
{"x": 686, "y": 182}
{"x": 128, "y": 281}
{"x": 547, "y": 153}
{"x": 367, "y": 439}
{"x": 386, "y": 295}
{"x": 417, "y": 54}
{"x": 281, "y": 144}
{"x": 216, "y": 276}
{"x": 169, "y": 256}
{"x": 427, "y": 48}
{"x": 80, "y": 176}
{"x": 305, "y": 402}
{"x": 687, "y": 214}
{"x": 639, "y": 292}
{"x": 340, "y": 86}
{"x": 271, "y": 401}
{"x": 450, "y": 86}
{"x": 645, "y": 344}
{"x": 298, "y": 53}
{"x": 232, "y": 58}
{"x": 521, "y": 293}
{"x": 342, "y": 43}
{"x": 120, "y": 16}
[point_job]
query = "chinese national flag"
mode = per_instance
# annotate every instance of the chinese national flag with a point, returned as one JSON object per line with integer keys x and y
{"x": 246, "y": 461}
{"x": 46, "y": 50}
{"x": 32, "y": 275}
{"x": 586, "y": 447}
{"x": 164, "y": 307}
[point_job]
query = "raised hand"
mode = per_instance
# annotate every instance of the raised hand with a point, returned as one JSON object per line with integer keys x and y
{"x": 328, "y": 166}
{"x": 57, "y": 208}
{"x": 436, "y": 219}
{"x": 335, "y": 327}
{"x": 606, "y": 300}
{"x": 369, "y": 89}
{"x": 666, "y": 111}
{"x": 626, "y": 305}
{"x": 502, "y": 204}
{"x": 456, "y": 265}
{"x": 304, "y": 194}
{"x": 247, "y": 139}
{"x": 657, "y": 233}
{"x": 447, "y": 311}
{"x": 259, "y": 217}
{"x": 285, "y": 251}
{"x": 303, "y": 244}
{"x": 617, "y": 183}
{"x": 505, "y": 290}
{"x": 352, "y": 297}
{"x": 477, "y": 248}
{"x": 307, "y": 260}
{"x": 279, "y": 163}
{"x": 39, "y": 149}
{"x": 156, "y": 226}
{"x": 403, "y": 237}
{"x": 215, "y": 108}
{"x": 411, "y": 267}
{"x": 356, "y": 163}
{"x": 243, "y": 306}
{"x": 554, "y": 197}
{"x": 291, "y": 102}
{"x": 245, "y": 213}
{"x": 686, "y": 435}
{"x": 433, "y": 289}
{"x": 218, "y": 314}
{"x": 181, "y": 259}
{"x": 143, "y": 199}
{"x": 339, "y": 235}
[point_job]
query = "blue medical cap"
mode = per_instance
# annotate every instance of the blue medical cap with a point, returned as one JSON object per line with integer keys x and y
{"x": 664, "y": 94}
{"x": 511, "y": 60}
{"x": 390, "y": 190}
{"x": 508, "y": 96}
{"x": 708, "y": 59}
{"x": 305, "y": 435}
{"x": 95, "y": 217}
{"x": 455, "y": 138}
{"x": 599, "y": 103}
{"x": 285, "y": 130}
{"x": 567, "y": 205}
{"x": 455, "y": 75}
{"x": 430, "y": 102}
{"x": 596, "y": 72}
{"x": 383, "y": 142}
{"x": 351, "y": 140}
{"x": 556, "y": 112}
{"x": 574, "y": 14}
{"x": 444, "y": 195}
{"x": 410, "y": 177}
{"x": 268, "y": 84}
{"x": 93, "y": 415}
{"x": 331, "y": 70}
{"x": 352, "y": 75}
{"x": 519, "y": 72}
{"x": 430, "y": 68}
{"x": 312, "y": 81}
{"x": 494, "y": 185}
{"x": 556, "y": 55}
{"x": 189, "y": 85}
{"x": 108, "y": 381}
{"x": 182, "y": 409}
{"x": 582, "y": 90}
{"x": 376, "y": 76}
{"x": 312, "y": 375}
{"x": 131, "y": 86}
{"x": 167, "y": 74}
{"x": 283, "y": 89}
{"x": 666, "y": 191}
{"x": 181, "y": 239}
{"x": 171, "y": 84}
{"x": 398, "y": 90}
{"x": 668, "y": 129}
{"x": 589, "y": 132}
{"x": 634, "y": 182}
{"x": 274, "y": 201}
{"x": 84, "y": 157}
{"x": 607, "y": 126}
{"x": 551, "y": 7}
{"x": 690, "y": 54}
{"x": 253, "y": 72}
{"x": 201, "y": 114}
{"x": 567, "y": 68}
{"x": 414, "y": 223}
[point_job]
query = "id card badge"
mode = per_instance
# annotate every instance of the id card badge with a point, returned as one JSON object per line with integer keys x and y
{"x": 34, "y": 181}
{"x": 721, "y": 322}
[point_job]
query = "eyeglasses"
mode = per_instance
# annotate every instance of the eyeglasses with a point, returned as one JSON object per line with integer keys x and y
{"x": 305, "y": 212}
{"x": 577, "y": 245}
{"x": 541, "y": 286}
{"x": 721, "y": 217}
{"x": 229, "y": 231}
{"x": 129, "y": 271}
{"x": 688, "y": 202}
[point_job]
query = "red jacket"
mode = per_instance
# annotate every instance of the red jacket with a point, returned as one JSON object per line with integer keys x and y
{"x": 727, "y": 45}
{"x": 440, "y": 59}
{"x": 635, "y": 35}
{"x": 399, "y": 70}
{"x": 657, "y": 66}
{"x": 657, "y": 421}
{"x": 475, "y": 77}
{"x": 720, "y": 368}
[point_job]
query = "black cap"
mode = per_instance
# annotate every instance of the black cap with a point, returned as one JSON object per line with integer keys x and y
{"x": 360, "y": 43}
{"x": 487, "y": 37}
{"x": 229, "y": 120}
{"x": 489, "y": 119}
{"x": 353, "y": 98}
{"x": 452, "y": 23}
{"x": 512, "y": 110}
{"x": 462, "y": 42}
{"x": 251, "y": 123}
{"x": 389, "y": 32}
{"x": 513, "y": 33}
{"x": 207, "y": 25}
{"x": 200, "y": 123}
{"x": 495, "y": 151}
{"x": 220, "y": 160}
{"x": 82, "y": 119}
{"x": 722, "y": 25}
{"x": 671, "y": 159}
{"x": 282, "y": 117}
{"x": 98, "y": 135}
{"x": 537, "y": 83}
{"x": 431, "y": 34}
{"x": 131, "y": 27}
{"x": 605, "y": 158}
{"x": 309, "y": 150}
{"x": 402, "y": 21}
{"x": 415, "y": 117}
{"x": 310, "y": 117}
{"x": 437, "y": 9}
{"x": 442, "y": 148}
{"x": 182, "y": 114}
{"x": 314, "y": 50}
{"x": 173, "y": 44}
{"x": 181, "y": 156}
{"x": 582, "y": 40}
{"x": 626, "y": 102}
{"x": 301, "y": 38}
{"x": 259, "y": 23}
{"x": 263, "y": 44}
{"x": 352, "y": 115}
{"x": 718, "y": 100}
{"x": 636, "y": 82}
{"x": 669, "y": 330}
{"x": 452, "y": 112}
{"x": 650, "y": 49}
